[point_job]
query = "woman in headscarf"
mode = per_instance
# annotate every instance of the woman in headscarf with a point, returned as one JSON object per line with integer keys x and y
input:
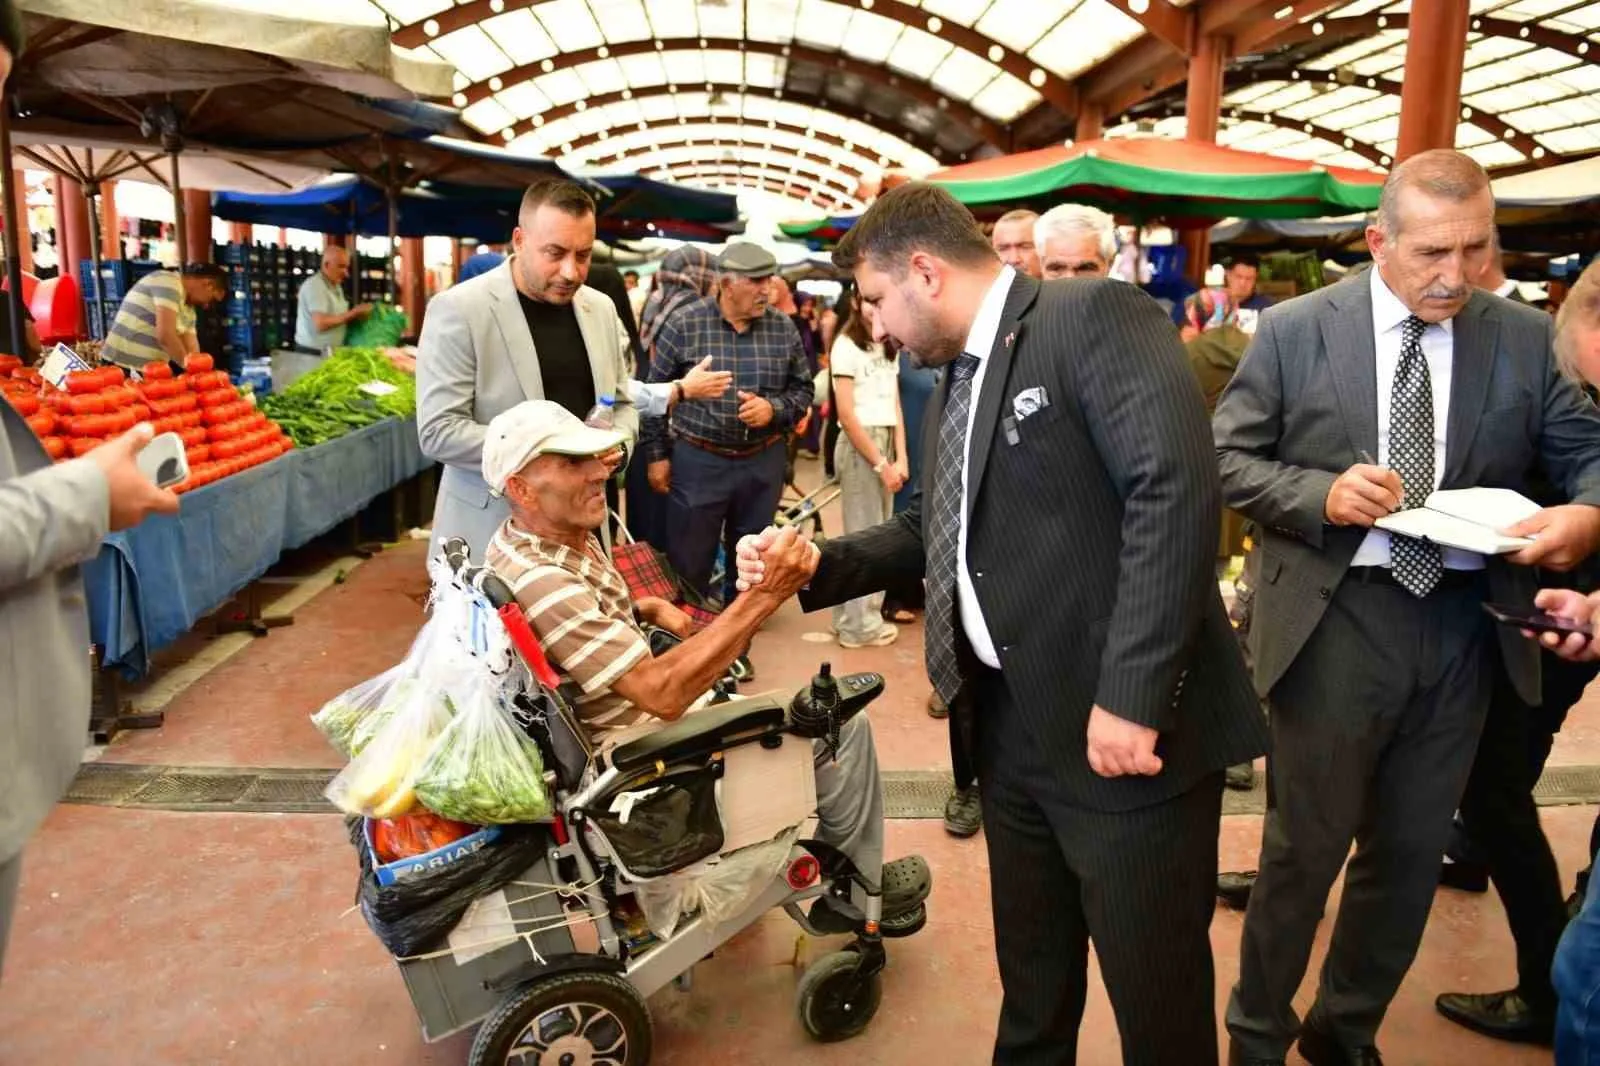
{"x": 687, "y": 274}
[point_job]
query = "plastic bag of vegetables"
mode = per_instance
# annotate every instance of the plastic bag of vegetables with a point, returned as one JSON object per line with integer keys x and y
{"x": 483, "y": 769}
{"x": 379, "y": 781}
{"x": 358, "y": 712}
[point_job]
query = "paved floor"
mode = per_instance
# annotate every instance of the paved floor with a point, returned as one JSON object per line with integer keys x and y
{"x": 165, "y": 939}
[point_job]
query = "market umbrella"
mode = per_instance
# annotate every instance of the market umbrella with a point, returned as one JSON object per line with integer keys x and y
{"x": 644, "y": 207}
{"x": 1149, "y": 178}
{"x": 818, "y": 234}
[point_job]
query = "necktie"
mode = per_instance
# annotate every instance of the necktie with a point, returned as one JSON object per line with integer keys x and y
{"x": 1417, "y": 564}
{"x": 944, "y": 531}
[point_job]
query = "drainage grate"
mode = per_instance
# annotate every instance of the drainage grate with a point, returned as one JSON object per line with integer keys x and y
{"x": 908, "y": 794}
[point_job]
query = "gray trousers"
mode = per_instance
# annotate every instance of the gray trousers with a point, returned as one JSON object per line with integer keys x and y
{"x": 850, "y": 797}
{"x": 1374, "y": 727}
{"x": 10, "y": 875}
{"x": 866, "y": 503}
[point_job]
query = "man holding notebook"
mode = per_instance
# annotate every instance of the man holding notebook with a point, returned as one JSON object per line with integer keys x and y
{"x": 1353, "y": 403}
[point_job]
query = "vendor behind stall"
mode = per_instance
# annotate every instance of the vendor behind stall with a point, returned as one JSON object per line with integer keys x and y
{"x": 323, "y": 312}
{"x": 156, "y": 319}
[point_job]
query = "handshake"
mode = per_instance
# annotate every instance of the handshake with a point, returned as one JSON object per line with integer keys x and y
{"x": 776, "y": 562}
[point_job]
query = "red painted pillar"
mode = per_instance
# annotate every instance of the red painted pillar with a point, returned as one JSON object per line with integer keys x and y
{"x": 457, "y": 257}
{"x": 72, "y": 225}
{"x": 1202, "y": 109}
{"x": 110, "y": 222}
{"x": 19, "y": 206}
{"x": 1430, "y": 94}
{"x": 413, "y": 288}
{"x": 239, "y": 233}
{"x": 283, "y": 237}
{"x": 197, "y": 229}
{"x": 1091, "y": 121}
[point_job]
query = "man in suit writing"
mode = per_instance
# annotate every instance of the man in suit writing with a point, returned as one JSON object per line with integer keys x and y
{"x": 1372, "y": 649}
{"x": 1066, "y": 530}
{"x": 529, "y": 329}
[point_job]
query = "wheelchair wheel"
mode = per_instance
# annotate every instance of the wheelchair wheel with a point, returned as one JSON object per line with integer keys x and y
{"x": 571, "y": 1019}
{"x": 835, "y": 1003}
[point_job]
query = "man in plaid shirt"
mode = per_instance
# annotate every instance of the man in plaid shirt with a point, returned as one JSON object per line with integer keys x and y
{"x": 722, "y": 460}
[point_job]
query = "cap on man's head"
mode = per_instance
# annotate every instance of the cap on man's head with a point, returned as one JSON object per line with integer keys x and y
{"x": 748, "y": 260}
{"x": 533, "y": 428}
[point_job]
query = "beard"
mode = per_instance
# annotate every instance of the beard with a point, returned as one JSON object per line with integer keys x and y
{"x": 555, "y": 290}
{"x": 933, "y": 342}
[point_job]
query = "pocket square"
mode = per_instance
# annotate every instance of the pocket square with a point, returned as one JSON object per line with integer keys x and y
{"x": 1029, "y": 401}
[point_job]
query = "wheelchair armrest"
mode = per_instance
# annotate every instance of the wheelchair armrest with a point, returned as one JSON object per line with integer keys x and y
{"x": 704, "y": 732}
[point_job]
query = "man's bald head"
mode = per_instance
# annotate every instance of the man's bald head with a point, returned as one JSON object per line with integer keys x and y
{"x": 335, "y": 263}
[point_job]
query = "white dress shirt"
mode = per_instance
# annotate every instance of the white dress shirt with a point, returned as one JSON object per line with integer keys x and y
{"x": 1438, "y": 348}
{"x": 979, "y": 342}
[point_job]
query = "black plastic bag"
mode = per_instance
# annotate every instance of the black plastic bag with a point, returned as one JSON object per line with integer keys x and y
{"x": 669, "y": 823}
{"x": 415, "y": 916}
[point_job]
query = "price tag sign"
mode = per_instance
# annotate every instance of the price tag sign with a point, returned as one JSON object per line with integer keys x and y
{"x": 378, "y": 388}
{"x": 59, "y": 363}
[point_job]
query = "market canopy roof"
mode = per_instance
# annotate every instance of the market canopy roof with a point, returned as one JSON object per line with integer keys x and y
{"x": 818, "y": 234}
{"x": 1149, "y": 178}
{"x": 948, "y": 81}
{"x": 642, "y": 207}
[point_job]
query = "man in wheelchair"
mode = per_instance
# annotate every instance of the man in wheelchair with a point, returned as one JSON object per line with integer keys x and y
{"x": 549, "y": 467}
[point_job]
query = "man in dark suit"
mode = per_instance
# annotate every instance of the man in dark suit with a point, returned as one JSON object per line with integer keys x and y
{"x": 1066, "y": 530}
{"x": 1355, "y": 401}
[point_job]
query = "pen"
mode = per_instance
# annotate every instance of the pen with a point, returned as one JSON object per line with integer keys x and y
{"x": 1366, "y": 457}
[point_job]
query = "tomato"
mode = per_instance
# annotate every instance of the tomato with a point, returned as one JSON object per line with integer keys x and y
{"x": 111, "y": 376}
{"x": 83, "y": 381}
{"x": 80, "y": 446}
{"x": 190, "y": 418}
{"x": 93, "y": 403}
{"x": 55, "y": 447}
{"x": 197, "y": 454}
{"x": 156, "y": 371}
{"x": 141, "y": 412}
{"x": 43, "y": 423}
{"x": 26, "y": 405}
{"x": 199, "y": 361}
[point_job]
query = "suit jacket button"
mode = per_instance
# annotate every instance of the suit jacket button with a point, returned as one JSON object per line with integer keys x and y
{"x": 1324, "y": 592}
{"x": 977, "y": 573}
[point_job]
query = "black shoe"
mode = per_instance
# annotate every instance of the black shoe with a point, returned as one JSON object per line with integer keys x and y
{"x": 1239, "y": 1058}
{"x": 1233, "y": 888}
{"x": 963, "y": 813}
{"x": 936, "y": 707}
{"x": 1320, "y": 1049}
{"x": 1464, "y": 876}
{"x": 1241, "y": 778}
{"x": 1502, "y": 1015}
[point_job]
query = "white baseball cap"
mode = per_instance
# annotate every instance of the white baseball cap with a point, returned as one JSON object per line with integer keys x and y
{"x": 534, "y": 428}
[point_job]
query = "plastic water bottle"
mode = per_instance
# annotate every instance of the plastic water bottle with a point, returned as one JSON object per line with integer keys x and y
{"x": 603, "y": 414}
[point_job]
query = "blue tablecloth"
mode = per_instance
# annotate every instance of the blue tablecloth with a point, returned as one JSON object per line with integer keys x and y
{"x": 151, "y": 584}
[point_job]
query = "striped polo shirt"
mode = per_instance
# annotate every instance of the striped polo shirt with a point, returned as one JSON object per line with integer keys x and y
{"x": 579, "y": 608}
{"x": 131, "y": 340}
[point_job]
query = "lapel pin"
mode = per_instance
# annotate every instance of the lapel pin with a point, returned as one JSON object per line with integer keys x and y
{"x": 1009, "y": 338}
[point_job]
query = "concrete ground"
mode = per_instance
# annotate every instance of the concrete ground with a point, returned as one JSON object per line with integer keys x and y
{"x": 166, "y": 939}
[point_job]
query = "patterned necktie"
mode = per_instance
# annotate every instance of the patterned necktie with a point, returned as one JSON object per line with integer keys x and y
{"x": 944, "y": 531}
{"x": 1417, "y": 564}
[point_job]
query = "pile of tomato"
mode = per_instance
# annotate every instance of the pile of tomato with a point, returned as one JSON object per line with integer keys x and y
{"x": 223, "y": 432}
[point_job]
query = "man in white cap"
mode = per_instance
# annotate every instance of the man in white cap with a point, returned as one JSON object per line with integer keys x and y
{"x": 547, "y": 466}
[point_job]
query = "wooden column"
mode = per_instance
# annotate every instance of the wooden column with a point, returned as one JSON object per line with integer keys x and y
{"x": 197, "y": 215}
{"x": 72, "y": 225}
{"x": 1430, "y": 94}
{"x": 110, "y": 222}
{"x": 283, "y": 237}
{"x": 413, "y": 283}
{"x": 1202, "y": 109}
{"x": 19, "y": 207}
{"x": 458, "y": 256}
{"x": 1091, "y": 121}
{"x": 240, "y": 233}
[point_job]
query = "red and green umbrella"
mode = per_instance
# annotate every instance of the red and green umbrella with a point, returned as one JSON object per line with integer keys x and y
{"x": 818, "y": 233}
{"x": 1151, "y": 178}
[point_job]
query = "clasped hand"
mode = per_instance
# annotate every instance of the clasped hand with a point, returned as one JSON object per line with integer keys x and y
{"x": 779, "y": 561}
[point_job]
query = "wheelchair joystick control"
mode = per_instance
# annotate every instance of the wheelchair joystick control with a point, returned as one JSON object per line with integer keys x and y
{"x": 825, "y": 703}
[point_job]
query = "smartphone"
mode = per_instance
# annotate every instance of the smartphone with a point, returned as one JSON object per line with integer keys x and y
{"x": 1535, "y": 620}
{"x": 163, "y": 460}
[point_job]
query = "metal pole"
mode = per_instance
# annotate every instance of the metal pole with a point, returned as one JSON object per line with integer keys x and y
{"x": 13, "y": 260}
{"x": 181, "y": 225}
{"x": 394, "y": 240}
{"x": 91, "y": 196}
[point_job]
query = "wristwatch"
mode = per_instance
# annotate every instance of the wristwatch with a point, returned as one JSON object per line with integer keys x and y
{"x": 677, "y": 392}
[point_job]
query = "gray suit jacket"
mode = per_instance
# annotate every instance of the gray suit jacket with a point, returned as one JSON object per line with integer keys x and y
{"x": 1304, "y": 405}
{"x": 475, "y": 359}
{"x": 51, "y": 519}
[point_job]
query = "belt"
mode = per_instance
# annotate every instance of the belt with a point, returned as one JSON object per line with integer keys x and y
{"x": 1382, "y": 575}
{"x": 726, "y": 452}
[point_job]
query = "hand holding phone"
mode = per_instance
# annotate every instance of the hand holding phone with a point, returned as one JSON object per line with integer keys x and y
{"x": 1532, "y": 620}
{"x": 163, "y": 460}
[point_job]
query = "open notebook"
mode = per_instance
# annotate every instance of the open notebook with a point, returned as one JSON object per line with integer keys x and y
{"x": 1470, "y": 519}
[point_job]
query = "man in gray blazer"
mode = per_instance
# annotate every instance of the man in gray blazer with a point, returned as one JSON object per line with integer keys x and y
{"x": 52, "y": 517}
{"x": 529, "y": 329}
{"x": 1353, "y": 402}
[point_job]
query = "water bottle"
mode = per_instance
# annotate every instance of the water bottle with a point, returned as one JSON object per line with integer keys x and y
{"x": 603, "y": 414}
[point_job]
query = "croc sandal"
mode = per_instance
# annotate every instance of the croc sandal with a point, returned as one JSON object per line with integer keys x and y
{"x": 906, "y": 882}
